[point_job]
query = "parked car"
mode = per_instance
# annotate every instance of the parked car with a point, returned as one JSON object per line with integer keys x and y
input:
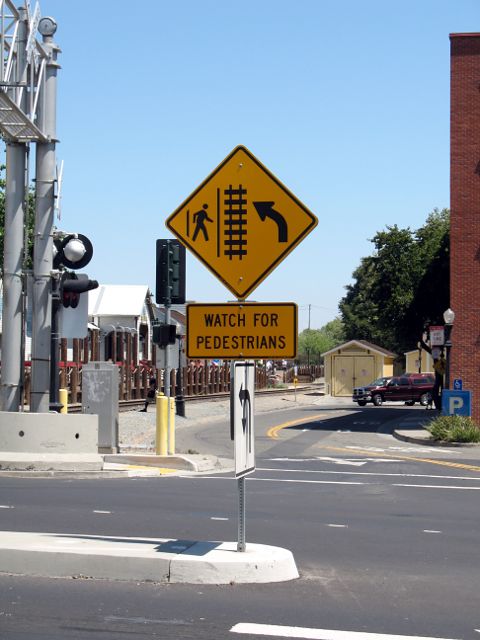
{"x": 409, "y": 388}
{"x": 362, "y": 395}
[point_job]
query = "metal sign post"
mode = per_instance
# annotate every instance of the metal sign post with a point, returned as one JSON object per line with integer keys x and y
{"x": 241, "y": 543}
{"x": 242, "y": 392}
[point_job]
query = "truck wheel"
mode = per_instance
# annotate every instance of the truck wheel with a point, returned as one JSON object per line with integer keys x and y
{"x": 425, "y": 399}
{"x": 361, "y": 403}
{"x": 377, "y": 399}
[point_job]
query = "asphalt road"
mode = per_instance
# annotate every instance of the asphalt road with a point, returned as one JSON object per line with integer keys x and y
{"x": 384, "y": 533}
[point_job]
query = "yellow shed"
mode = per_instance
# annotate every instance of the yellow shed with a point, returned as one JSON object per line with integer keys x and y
{"x": 354, "y": 364}
{"x": 414, "y": 365}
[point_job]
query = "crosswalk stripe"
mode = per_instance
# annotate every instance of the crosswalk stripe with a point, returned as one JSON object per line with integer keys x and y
{"x": 318, "y": 634}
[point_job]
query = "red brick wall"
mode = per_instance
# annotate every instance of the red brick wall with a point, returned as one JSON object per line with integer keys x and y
{"x": 465, "y": 212}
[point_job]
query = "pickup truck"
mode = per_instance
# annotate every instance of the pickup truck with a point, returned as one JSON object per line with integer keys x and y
{"x": 409, "y": 388}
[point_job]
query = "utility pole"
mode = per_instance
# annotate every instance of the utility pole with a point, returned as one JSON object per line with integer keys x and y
{"x": 309, "y": 309}
{"x": 43, "y": 240}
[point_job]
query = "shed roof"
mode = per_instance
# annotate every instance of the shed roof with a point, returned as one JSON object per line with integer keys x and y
{"x": 117, "y": 300}
{"x": 365, "y": 344}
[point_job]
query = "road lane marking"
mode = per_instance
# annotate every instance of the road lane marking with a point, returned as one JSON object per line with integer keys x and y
{"x": 442, "y": 463}
{"x": 437, "y": 486}
{"x": 150, "y": 469}
{"x": 431, "y": 531}
{"x": 251, "y": 479}
{"x": 338, "y": 526}
{"x": 341, "y": 460}
{"x": 317, "y": 634}
{"x": 273, "y": 431}
{"x": 337, "y": 482}
{"x": 353, "y": 463}
{"x": 221, "y": 519}
{"x": 98, "y": 511}
{"x": 6, "y": 506}
{"x": 417, "y": 449}
{"x": 415, "y": 486}
{"x": 369, "y": 473}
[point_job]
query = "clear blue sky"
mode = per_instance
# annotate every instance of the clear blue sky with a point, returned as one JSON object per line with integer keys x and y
{"x": 346, "y": 102}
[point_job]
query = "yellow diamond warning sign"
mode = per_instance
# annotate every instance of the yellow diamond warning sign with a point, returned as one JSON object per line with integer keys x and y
{"x": 237, "y": 331}
{"x": 241, "y": 222}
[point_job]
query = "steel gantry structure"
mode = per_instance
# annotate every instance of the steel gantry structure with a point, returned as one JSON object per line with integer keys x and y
{"x": 28, "y": 89}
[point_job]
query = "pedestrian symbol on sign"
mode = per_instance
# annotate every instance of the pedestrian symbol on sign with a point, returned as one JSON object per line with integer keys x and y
{"x": 199, "y": 218}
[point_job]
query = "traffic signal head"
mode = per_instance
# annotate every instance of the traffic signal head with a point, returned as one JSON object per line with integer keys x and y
{"x": 71, "y": 287}
{"x": 170, "y": 272}
{"x": 164, "y": 334}
{"x": 72, "y": 250}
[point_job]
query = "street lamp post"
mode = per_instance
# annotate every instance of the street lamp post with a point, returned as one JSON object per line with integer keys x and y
{"x": 448, "y": 317}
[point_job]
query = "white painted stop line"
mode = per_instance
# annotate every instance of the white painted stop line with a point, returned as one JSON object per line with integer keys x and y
{"x": 317, "y": 634}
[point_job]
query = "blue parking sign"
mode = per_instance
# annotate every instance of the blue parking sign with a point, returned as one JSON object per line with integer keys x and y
{"x": 458, "y": 403}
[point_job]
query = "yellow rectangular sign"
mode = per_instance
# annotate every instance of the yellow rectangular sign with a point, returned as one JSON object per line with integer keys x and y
{"x": 238, "y": 331}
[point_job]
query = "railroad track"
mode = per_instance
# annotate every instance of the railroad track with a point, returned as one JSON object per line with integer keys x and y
{"x": 129, "y": 405}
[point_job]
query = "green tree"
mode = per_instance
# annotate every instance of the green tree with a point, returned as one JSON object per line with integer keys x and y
{"x": 313, "y": 342}
{"x": 404, "y": 284}
{"x": 432, "y": 292}
{"x": 335, "y": 331}
{"x": 359, "y": 310}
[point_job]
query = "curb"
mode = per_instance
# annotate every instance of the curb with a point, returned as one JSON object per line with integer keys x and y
{"x": 143, "y": 559}
{"x": 105, "y": 465}
{"x": 194, "y": 462}
{"x": 427, "y": 439}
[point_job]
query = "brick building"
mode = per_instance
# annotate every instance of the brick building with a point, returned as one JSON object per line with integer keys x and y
{"x": 465, "y": 212}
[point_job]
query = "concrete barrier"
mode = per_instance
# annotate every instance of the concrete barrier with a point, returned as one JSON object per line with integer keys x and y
{"x": 48, "y": 433}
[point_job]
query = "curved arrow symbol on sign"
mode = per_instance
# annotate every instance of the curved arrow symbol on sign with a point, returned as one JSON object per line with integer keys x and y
{"x": 266, "y": 210}
{"x": 244, "y": 397}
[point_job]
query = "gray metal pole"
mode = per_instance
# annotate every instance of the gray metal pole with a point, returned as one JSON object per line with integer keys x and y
{"x": 166, "y": 382}
{"x": 15, "y": 208}
{"x": 12, "y": 356}
{"x": 43, "y": 241}
{"x": 241, "y": 543}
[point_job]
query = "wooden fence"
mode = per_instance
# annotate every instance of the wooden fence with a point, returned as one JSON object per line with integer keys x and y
{"x": 196, "y": 379}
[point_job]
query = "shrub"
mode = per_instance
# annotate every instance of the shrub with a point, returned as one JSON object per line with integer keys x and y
{"x": 454, "y": 429}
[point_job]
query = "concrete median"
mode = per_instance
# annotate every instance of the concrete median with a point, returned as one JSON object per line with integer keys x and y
{"x": 142, "y": 559}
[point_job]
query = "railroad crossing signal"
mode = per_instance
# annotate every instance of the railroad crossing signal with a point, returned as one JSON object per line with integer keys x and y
{"x": 241, "y": 222}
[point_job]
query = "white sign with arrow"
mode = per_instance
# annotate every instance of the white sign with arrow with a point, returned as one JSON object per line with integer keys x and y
{"x": 242, "y": 416}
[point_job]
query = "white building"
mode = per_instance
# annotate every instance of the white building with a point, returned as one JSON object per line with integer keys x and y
{"x": 123, "y": 314}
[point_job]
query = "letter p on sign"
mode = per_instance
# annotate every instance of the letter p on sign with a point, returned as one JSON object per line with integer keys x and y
{"x": 453, "y": 404}
{"x": 456, "y": 403}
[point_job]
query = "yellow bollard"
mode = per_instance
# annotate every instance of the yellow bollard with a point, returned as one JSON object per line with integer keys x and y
{"x": 63, "y": 399}
{"x": 161, "y": 403}
{"x": 171, "y": 428}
